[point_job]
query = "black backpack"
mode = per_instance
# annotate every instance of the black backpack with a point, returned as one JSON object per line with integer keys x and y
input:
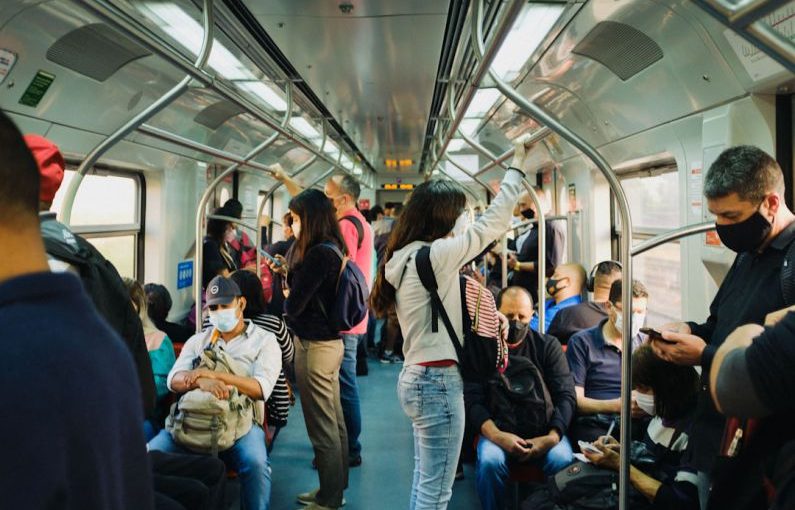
{"x": 479, "y": 356}
{"x": 103, "y": 284}
{"x": 519, "y": 400}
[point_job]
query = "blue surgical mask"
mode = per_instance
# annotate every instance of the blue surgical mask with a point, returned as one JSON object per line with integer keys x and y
{"x": 224, "y": 320}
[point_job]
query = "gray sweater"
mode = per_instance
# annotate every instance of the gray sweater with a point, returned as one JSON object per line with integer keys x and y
{"x": 448, "y": 254}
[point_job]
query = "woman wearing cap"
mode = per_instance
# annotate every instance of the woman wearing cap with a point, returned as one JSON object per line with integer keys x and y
{"x": 312, "y": 272}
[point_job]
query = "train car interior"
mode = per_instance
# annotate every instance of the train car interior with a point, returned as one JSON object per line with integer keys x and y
{"x": 164, "y": 110}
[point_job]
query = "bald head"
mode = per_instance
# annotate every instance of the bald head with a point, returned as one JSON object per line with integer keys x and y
{"x": 516, "y": 304}
{"x": 526, "y": 203}
{"x": 567, "y": 281}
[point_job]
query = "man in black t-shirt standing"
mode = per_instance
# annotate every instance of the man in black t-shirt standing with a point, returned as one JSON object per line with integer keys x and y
{"x": 71, "y": 431}
{"x": 745, "y": 190}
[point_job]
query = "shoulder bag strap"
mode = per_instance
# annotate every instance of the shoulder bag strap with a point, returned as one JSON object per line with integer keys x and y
{"x": 428, "y": 279}
{"x": 359, "y": 228}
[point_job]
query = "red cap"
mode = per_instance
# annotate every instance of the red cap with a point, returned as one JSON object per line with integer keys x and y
{"x": 51, "y": 165}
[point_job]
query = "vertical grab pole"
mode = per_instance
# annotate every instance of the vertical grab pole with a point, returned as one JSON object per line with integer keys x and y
{"x": 625, "y": 255}
{"x": 504, "y": 261}
{"x": 541, "y": 264}
{"x": 132, "y": 124}
{"x": 202, "y": 209}
{"x": 570, "y": 237}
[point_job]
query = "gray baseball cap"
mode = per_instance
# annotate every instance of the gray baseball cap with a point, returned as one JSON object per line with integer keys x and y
{"x": 221, "y": 291}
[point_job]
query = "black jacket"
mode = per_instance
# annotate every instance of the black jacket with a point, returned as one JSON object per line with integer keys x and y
{"x": 556, "y": 246}
{"x": 315, "y": 279}
{"x": 546, "y": 353}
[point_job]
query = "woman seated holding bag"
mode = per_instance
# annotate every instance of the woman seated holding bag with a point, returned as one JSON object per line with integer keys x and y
{"x": 668, "y": 393}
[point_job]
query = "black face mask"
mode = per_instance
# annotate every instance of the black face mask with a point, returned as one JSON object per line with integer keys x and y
{"x": 552, "y": 286}
{"x": 529, "y": 214}
{"x": 517, "y": 331}
{"x": 747, "y": 235}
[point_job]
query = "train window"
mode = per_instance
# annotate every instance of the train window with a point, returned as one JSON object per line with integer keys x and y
{"x": 654, "y": 205}
{"x": 107, "y": 212}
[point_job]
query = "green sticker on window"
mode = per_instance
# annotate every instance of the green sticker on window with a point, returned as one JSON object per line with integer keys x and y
{"x": 37, "y": 88}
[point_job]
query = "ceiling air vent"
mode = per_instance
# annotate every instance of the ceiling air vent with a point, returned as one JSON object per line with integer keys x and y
{"x": 95, "y": 50}
{"x": 217, "y": 113}
{"x": 621, "y": 48}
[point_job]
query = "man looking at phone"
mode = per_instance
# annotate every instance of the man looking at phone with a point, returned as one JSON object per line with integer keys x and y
{"x": 497, "y": 446}
{"x": 745, "y": 190}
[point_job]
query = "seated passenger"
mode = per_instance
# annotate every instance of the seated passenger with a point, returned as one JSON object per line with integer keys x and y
{"x": 158, "y": 304}
{"x": 587, "y": 315}
{"x": 594, "y": 357}
{"x": 71, "y": 427}
{"x": 565, "y": 290}
{"x": 668, "y": 392}
{"x": 253, "y": 351}
{"x": 67, "y": 251}
{"x": 504, "y": 435}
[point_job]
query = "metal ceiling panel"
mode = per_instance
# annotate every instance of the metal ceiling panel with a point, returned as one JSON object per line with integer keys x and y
{"x": 374, "y": 68}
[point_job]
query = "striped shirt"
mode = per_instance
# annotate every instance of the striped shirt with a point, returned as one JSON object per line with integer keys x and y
{"x": 280, "y": 401}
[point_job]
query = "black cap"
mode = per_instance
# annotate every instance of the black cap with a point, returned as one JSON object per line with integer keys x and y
{"x": 221, "y": 291}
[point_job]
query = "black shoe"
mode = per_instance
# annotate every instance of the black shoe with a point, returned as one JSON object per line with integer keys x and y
{"x": 355, "y": 461}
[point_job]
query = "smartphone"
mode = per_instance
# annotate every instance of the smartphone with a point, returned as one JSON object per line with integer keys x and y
{"x": 655, "y": 335}
{"x": 269, "y": 257}
{"x": 588, "y": 447}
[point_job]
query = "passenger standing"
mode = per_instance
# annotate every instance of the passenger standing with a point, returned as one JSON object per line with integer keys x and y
{"x": 587, "y": 315}
{"x": 72, "y": 435}
{"x": 218, "y": 260}
{"x": 67, "y": 251}
{"x": 523, "y": 265}
{"x": 430, "y": 387}
{"x": 565, "y": 290}
{"x": 276, "y": 305}
{"x": 312, "y": 272}
{"x": 241, "y": 247}
{"x": 344, "y": 191}
{"x": 745, "y": 190}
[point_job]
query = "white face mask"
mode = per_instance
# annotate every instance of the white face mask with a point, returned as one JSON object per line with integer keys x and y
{"x": 645, "y": 402}
{"x": 296, "y": 229}
{"x": 224, "y": 320}
{"x": 638, "y": 319}
{"x": 230, "y": 235}
{"x": 461, "y": 224}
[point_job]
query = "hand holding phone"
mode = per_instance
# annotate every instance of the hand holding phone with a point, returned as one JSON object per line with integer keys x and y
{"x": 656, "y": 335}
{"x": 588, "y": 447}
{"x": 268, "y": 256}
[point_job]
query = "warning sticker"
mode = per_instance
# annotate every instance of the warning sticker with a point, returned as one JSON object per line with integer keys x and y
{"x": 37, "y": 88}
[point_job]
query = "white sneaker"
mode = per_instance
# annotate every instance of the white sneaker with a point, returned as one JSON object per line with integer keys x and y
{"x": 308, "y": 498}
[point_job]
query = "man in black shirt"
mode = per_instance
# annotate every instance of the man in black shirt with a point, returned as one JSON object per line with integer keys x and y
{"x": 496, "y": 447}
{"x": 744, "y": 188}
{"x": 574, "y": 319}
{"x": 71, "y": 431}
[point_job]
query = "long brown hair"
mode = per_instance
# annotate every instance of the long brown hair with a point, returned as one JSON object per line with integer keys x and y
{"x": 430, "y": 214}
{"x": 318, "y": 224}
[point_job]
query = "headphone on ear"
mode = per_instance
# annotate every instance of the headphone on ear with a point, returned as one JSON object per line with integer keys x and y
{"x": 592, "y": 275}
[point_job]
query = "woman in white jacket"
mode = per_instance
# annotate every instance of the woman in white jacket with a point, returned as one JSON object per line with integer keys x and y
{"x": 430, "y": 387}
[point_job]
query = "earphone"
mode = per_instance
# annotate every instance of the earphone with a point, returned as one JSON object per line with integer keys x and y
{"x": 592, "y": 275}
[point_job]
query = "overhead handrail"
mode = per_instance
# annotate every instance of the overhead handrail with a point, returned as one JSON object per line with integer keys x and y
{"x": 485, "y": 186}
{"x": 232, "y": 219}
{"x": 201, "y": 209}
{"x": 482, "y": 67}
{"x": 673, "y": 235}
{"x": 268, "y": 196}
{"x": 133, "y": 29}
{"x": 138, "y": 119}
{"x": 625, "y": 253}
{"x": 535, "y": 220}
{"x": 535, "y": 137}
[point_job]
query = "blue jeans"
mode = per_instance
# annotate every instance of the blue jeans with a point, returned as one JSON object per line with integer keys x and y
{"x": 491, "y": 472}
{"x": 433, "y": 397}
{"x": 349, "y": 395}
{"x": 248, "y": 456}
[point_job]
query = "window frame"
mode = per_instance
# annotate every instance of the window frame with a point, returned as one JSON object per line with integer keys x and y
{"x": 136, "y": 229}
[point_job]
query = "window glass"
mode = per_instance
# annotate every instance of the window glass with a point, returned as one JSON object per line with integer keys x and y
{"x": 659, "y": 270}
{"x": 120, "y": 250}
{"x": 653, "y": 201}
{"x": 102, "y": 200}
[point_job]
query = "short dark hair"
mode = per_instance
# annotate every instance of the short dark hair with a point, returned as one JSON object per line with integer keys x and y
{"x": 376, "y": 210}
{"x": 19, "y": 176}
{"x": 675, "y": 387}
{"x": 158, "y": 302}
{"x": 233, "y": 208}
{"x": 251, "y": 289}
{"x": 607, "y": 268}
{"x": 349, "y": 186}
{"x": 638, "y": 291}
{"x": 746, "y": 170}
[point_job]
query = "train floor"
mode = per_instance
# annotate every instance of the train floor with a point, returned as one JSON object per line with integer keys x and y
{"x": 383, "y": 481}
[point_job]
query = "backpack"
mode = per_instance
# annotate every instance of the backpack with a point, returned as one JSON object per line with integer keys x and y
{"x": 519, "y": 400}
{"x": 359, "y": 228}
{"x": 350, "y": 301}
{"x": 786, "y": 275}
{"x": 483, "y": 350}
{"x": 106, "y": 289}
{"x": 203, "y": 423}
